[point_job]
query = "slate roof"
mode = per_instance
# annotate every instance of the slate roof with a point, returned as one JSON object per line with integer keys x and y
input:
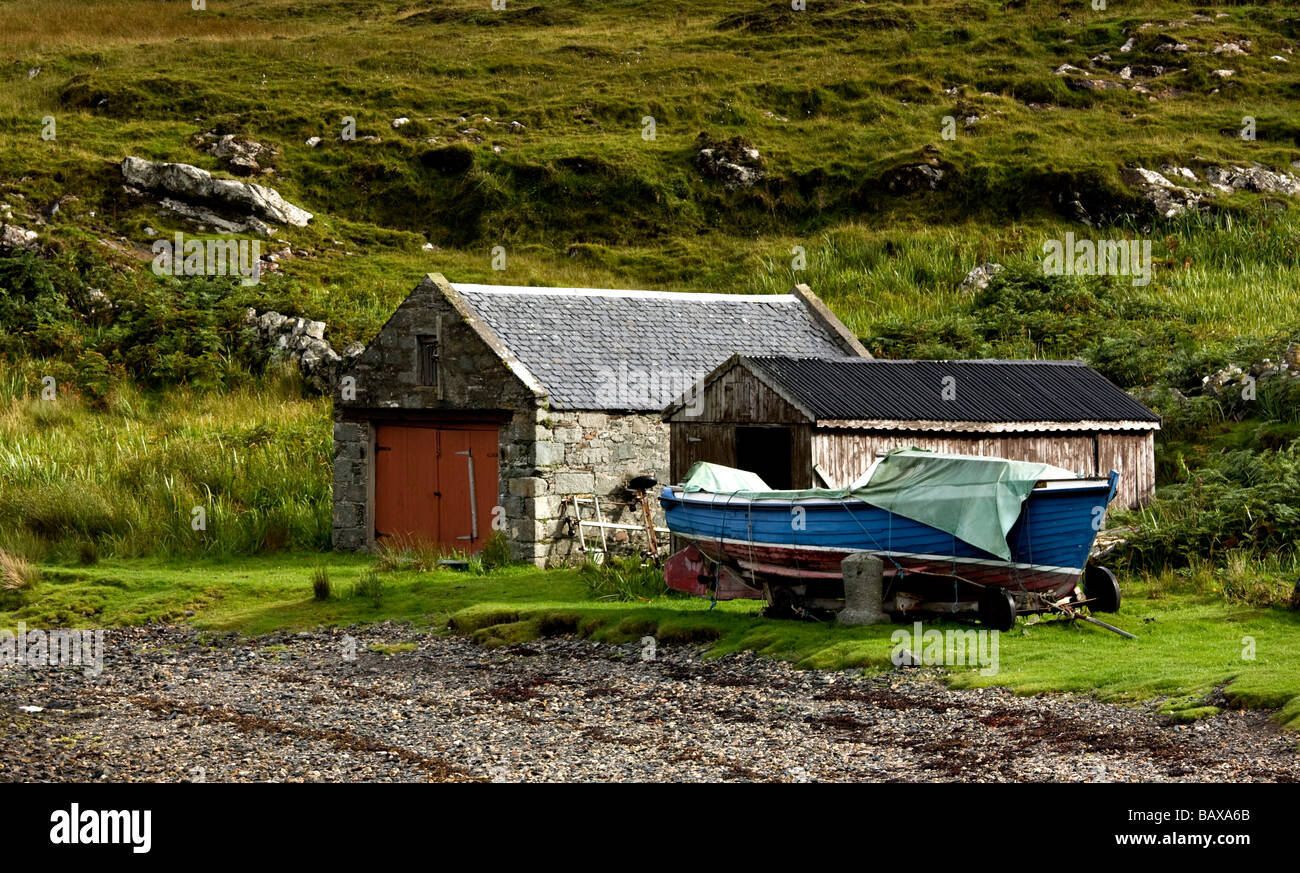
{"x": 639, "y": 350}
{"x": 991, "y": 391}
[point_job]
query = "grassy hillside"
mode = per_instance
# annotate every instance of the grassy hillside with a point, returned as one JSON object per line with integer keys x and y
{"x": 839, "y": 100}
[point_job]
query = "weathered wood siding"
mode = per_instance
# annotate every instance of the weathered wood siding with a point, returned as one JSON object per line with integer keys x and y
{"x": 801, "y": 475}
{"x": 1133, "y": 456}
{"x": 844, "y": 455}
{"x": 706, "y": 430}
{"x": 715, "y": 443}
{"x": 737, "y": 397}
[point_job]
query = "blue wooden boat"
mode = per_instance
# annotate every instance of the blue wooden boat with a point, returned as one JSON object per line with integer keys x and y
{"x": 956, "y": 533}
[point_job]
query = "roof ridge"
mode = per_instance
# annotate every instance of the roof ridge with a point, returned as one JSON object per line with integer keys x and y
{"x": 990, "y": 389}
{"x": 1066, "y": 362}
{"x": 627, "y": 293}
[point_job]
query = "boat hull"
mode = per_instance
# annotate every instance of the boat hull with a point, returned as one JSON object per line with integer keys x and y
{"x": 803, "y": 542}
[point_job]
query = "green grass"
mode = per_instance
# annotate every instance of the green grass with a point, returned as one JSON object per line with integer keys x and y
{"x": 835, "y": 98}
{"x": 1190, "y": 643}
{"x": 127, "y": 477}
{"x": 260, "y": 594}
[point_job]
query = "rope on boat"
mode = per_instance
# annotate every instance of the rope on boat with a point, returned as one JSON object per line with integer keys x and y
{"x": 882, "y": 552}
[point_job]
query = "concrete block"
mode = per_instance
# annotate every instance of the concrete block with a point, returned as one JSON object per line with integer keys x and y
{"x": 864, "y": 577}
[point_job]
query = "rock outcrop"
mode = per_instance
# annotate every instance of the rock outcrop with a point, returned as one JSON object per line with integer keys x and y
{"x": 302, "y": 341}
{"x": 1165, "y": 197}
{"x": 1255, "y": 178}
{"x": 734, "y": 162}
{"x": 1169, "y": 192}
{"x": 15, "y": 239}
{"x": 978, "y": 279}
{"x": 193, "y": 187}
{"x": 1228, "y": 383}
{"x": 915, "y": 177}
{"x": 243, "y": 157}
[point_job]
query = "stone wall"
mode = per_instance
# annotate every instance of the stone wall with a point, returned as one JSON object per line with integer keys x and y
{"x": 472, "y": 375}
{"x": 583, "y": 453}
{"x": 352, "y": 484}
{"x": 472, "y": 380}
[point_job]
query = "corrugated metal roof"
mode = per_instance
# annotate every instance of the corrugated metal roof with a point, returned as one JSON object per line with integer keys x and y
{"x": 638, "y": 350}
{"x": 971, "y": 391}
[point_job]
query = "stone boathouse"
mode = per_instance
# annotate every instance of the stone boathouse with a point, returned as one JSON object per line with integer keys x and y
{"x": 480, "y": 408}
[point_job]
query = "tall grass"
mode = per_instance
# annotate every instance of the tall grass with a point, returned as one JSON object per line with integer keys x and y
{"x": 127, "y": 479}
{"x": 1222, "y": 276}
{"x": 1238, "y": 576}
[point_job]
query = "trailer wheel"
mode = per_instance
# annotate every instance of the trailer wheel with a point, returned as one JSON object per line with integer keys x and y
{"x": 783, "y": 603}
{"x": 1102, "y": 588}
{"x": 997, "y": 608}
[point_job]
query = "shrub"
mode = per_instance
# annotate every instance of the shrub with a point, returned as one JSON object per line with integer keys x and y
{"x": 370, "y": 586}
{"x": 18, "y": 577}
{"x": 1245, "y": 503}
{"x": 320, "y": 584}
{"x": 623, "y": 579}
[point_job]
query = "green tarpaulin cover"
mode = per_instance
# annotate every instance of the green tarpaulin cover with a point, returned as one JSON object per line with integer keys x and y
{"x": 974, "y": 499}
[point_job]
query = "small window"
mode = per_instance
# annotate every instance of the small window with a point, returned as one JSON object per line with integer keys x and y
{"x": 428, "y": 360}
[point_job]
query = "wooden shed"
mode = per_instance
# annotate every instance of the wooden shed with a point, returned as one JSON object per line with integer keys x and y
{"x": 809, "y": 422}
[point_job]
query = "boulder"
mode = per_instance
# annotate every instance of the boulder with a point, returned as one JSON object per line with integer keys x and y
{"x": 14, "y": 238}
{"x": 978, "y": 279}
{"x": 915, "y": 177}
{"x": 1291, "y": 357}
{"x": 240, "y": 156}
{"x": 191, "y": 185}
{"x": 1231, "y": 48}
{"x": 207, "y": 218}
{"x": 1216, "y": 384}
{"x": 1255, "y": 178}
{"x": 1163, "y": 195}
{"x": 734, "y": 162}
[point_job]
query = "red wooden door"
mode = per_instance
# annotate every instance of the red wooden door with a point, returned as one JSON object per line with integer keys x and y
{"x": 423, "y": 481}
{"x": 467, "y": 472}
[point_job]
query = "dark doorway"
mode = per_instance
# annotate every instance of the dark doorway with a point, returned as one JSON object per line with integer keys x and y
{"x": 765, "y": 451}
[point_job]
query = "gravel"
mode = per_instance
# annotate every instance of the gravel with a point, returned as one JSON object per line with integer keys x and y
{"x": 173, "y": 704}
